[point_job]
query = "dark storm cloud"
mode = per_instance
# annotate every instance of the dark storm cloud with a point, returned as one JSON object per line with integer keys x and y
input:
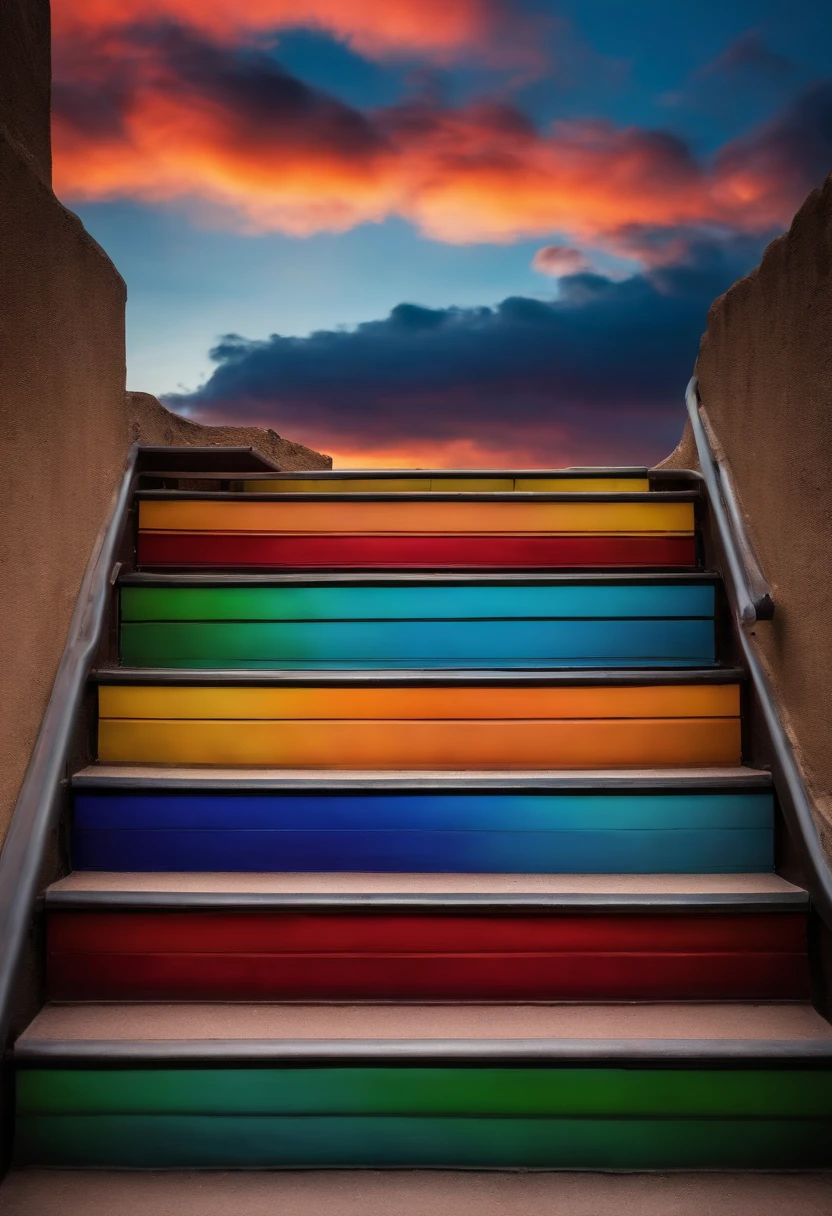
{"x": 601, "y": 369}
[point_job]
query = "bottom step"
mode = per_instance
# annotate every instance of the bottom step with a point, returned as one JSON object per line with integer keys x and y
{"x": 598, "y": 1088}
{"x": 407, "y": 1193}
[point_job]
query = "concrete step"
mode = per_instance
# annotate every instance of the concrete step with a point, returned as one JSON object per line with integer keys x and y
{"x": 140, "y": 776}
{"x": 88, "y": 888}
{"x": 119, "y": 1023}
{"x": 410, "y": 1193}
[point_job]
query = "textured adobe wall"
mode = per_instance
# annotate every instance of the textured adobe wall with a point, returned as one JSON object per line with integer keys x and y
{"x": 63, "y": 438}
{"x": 765, "y": 372}
{"x": 151, "y": 423}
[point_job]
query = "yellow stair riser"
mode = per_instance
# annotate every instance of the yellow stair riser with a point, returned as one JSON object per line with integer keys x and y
{"x": 419, "y": 518}
{"x": 452, "y": 485}
{"x": 433, "y": 702}
{"x": 424, "y": 744}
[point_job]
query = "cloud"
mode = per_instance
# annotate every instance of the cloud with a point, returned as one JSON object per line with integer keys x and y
{"x": 439, "y": 29}
{"x": 775, "y": 167}
{"x": 746, "y": 56}
{"x": 192, "y": 122}
{"x": 747, "y": 68}
{"x": 595, "y": 376}
{"x": 559, "y": 260}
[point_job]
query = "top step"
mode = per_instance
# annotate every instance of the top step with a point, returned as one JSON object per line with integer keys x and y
{"x": 411, "y": 529}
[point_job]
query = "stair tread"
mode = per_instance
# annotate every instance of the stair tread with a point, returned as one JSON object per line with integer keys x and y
{"x": 344, "y": 883}
{"x": 493, "y": 677}
{"x": 209, "y": 578}
{"x": 215, "y": 778}
{"x": 34, "y": 1192}
{"x": 476, "y": 1023}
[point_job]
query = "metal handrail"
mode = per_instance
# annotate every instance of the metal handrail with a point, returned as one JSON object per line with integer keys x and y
{"x": 751, "y": 601}
{"x": 39, "y": 802}
{"x": 753, "y": 594}
{"x": 791, "y": 790}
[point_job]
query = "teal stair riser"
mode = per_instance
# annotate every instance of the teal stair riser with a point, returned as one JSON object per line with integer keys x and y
{"x": 339, "y": 603}
{"x": 477, "y": 626}
{"x": 266, "y": 1141}
{"x": 482, "y": 644}
{"x": 570, "y": 1118}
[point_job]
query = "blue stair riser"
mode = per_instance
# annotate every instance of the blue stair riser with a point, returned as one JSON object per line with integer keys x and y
{"x": 498, "y": 833}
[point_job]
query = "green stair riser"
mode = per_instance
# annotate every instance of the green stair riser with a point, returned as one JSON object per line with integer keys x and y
{"x": 388, "y": 1090}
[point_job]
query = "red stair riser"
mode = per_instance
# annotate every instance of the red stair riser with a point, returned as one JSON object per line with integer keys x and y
{"x": 355, "y": 977}
{"x": 285, "y": 933}
{"x": 240, "y": 551}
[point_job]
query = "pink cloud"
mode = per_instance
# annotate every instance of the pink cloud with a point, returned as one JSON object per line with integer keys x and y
{"x": 558, "y": 260}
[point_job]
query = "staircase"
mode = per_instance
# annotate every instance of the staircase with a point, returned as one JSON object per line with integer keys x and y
{"x": 419, "y": 835}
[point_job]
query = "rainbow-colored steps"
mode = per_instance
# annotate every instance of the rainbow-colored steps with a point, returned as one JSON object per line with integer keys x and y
{"x": 418, "y": 622}
{"x": 420, "y": 835}
{"x": 713, "y": 823}
{"x": 330, "y": 530}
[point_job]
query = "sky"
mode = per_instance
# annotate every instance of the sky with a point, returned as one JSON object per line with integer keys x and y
{"x": 436, "y": 233}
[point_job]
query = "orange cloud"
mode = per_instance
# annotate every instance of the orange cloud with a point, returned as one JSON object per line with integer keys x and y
{"x": 548, "y": 446}
{"x": 543, "y": 451}
{"x": 441, "y": 29}
{"x": 194, "y": 122}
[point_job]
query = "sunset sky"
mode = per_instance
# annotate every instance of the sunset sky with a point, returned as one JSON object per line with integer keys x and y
{"x": 436, "y": 232}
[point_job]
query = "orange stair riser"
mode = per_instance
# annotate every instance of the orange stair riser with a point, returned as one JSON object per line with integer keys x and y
{"x": 423, "y": 744}
{"x": 418, "y": 518}
{"x": 429, "y": 701}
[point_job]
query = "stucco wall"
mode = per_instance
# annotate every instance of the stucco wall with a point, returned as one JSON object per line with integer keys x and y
{"x": 66, "y": 429}
{"x": 765, "y": 373}
{"x": 63, "y": 437}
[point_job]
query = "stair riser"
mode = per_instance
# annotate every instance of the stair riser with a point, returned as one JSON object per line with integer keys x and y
{"x": 338, "y": 517}
{"x": 412, "y": 626}
{"x": 439, "y": 1090}
{"x": 597, "y": 1118}
{"x": 388, "y": 728}
{"x": 242, "y": 551}
{"x": 183, "y": 1141}
{"x": 386, "y": 746}
{"x": 408, "y": 644}
{"x": 669, "y": 833}
{"x": 347, "y": 956}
